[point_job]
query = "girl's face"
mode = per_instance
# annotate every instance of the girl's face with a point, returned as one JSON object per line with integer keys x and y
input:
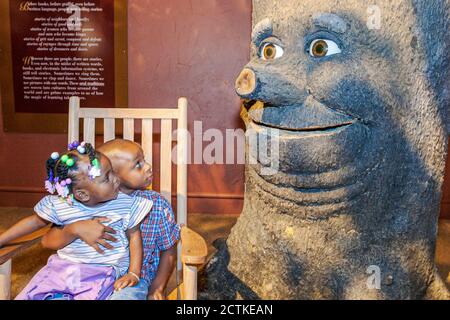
{"x": 101, "y": 189}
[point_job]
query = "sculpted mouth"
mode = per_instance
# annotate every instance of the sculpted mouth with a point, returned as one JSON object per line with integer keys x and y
{"x": 309, "y": 129}
{"x": 316, "y": 151}
{"x": 320, "y": 164}
{"x": 308, "y": 117}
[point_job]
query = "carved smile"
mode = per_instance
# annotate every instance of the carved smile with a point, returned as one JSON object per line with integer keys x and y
{"x": 309, "y": 117}
{"x": 309, "y": 129}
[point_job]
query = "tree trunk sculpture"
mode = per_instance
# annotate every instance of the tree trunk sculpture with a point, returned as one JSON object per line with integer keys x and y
{"x": 353, "y": 100}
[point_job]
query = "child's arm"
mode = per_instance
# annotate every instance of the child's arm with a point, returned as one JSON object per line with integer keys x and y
{"x": 134, "y": 272}
{"x": 166, "y": 266}
{"x": 93, "y": 232}
{"x": 21, "y": 228}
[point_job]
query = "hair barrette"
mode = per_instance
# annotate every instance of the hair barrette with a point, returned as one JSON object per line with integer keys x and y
{"x": 67, "y": 160}
{"x": 49, "y": 186}
{"x": 54, "y": 156}
{"x": 73, "y": 145}
{"x": 80, "y": 147}
{"x": 66, "y": 182}
{"x": 62, "y": 190}
{"x": 94, "y": 172}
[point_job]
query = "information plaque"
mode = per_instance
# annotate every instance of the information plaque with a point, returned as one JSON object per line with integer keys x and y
{"x": 52, "y": 50}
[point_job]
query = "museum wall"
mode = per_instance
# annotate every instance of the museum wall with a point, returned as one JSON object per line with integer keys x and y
{"x": 176, "y": 48}
{"x": 194, "y": 49}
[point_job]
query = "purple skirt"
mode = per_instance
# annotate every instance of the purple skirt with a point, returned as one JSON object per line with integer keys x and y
{"x": 64, "y": 280}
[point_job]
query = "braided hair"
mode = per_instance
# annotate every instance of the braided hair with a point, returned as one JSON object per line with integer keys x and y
{"x": 50, "y": 169}
{"x": 90, "y": 151}
{"x": 57, "y": 170}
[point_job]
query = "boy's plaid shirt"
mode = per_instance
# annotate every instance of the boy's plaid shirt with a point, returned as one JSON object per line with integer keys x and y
{"x": 159, "y": 232}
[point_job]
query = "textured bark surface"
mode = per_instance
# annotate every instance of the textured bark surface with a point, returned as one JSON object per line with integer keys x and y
{"x": 346, "y": 196}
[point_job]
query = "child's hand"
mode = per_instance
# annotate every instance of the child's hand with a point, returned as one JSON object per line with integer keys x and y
{"x": 127, "y": 280}
{"x": 94, "y": 233}
{"x": 156, "y": 295}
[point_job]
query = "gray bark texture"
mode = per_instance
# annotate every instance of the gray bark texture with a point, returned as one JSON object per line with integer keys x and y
{"x": 352, "y": 209}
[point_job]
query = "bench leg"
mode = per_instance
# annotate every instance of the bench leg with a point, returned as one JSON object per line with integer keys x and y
{"x": 5, "y": 280}
{"x": 190, "y": 282}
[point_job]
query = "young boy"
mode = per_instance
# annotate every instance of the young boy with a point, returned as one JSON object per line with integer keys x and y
{"x": 159, "y": 230}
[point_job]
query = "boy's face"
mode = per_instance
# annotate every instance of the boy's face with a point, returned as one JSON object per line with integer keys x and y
{"x": 130, "y": 166}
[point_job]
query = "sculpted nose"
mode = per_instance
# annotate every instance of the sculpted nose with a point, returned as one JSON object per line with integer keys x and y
{"x": 246, "y": 82}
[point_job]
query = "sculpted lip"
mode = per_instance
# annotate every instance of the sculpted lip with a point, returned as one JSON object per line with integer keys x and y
{"x": 310, "y": 116}
{"x": 309, "y": 129}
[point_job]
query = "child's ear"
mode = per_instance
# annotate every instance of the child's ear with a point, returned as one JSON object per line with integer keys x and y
{"x": 82, "y": 195}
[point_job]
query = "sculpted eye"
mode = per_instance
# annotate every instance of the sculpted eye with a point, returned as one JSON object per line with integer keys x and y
{"x": 271, "y": 51}
{"x": 321, "y": 47}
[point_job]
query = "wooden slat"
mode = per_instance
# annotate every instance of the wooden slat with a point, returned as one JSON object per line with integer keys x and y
{"x": 74, "y": 109}
{"x": 122, "y": 113}
{"x": 166, "y": 159}
{"x": 5, "y": 280}
{"x": 194, "y": 254}
{"x": 182, "y": 153}
{"x": 109, "y": 129}
{"x": 147, "y": 139}
{"x": 89, "y": 131}
{"x": 174, "y": 294}
{"x": 194, "y": 249}
{"x": 128, "y": 129}
{"x": 181, "y": 170}
{"x": 189, "y": 282}
{"x": 14, "y": 247}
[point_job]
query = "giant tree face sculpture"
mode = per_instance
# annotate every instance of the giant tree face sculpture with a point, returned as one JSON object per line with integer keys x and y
{"x": 352, "y": 104}
{"x": 361, "y": 112}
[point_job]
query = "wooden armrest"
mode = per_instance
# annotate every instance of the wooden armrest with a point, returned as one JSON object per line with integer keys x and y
{"x": 14, "y": 247}
{"x": 193, "y": 247}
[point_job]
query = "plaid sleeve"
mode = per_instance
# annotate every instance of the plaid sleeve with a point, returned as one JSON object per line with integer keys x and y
{"x": 46, "y": 210}
{"x": 168, "y": 230}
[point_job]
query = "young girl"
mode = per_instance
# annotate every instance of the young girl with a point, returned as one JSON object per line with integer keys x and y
{"x": 86, "y": 188}
{"x": 159, "y": 230}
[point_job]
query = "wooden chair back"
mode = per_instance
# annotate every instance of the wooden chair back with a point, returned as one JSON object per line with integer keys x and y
{"x": 129, "y": 116}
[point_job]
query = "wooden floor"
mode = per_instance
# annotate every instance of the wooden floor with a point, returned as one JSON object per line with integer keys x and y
{"x": 210, "y": 227}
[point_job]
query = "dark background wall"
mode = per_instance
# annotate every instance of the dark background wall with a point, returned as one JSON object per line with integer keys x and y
{"x": 194, "y": 49}
{"x": 176, "y": 48}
